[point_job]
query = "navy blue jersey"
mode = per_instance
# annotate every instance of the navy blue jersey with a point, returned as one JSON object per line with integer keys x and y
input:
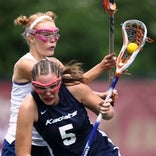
{"x": 66, "y": 127}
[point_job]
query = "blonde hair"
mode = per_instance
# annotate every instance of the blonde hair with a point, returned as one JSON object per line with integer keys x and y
{"x": 27, "y": 21}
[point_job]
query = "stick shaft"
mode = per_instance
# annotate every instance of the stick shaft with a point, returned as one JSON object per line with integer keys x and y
{"x": 111, "y": 43}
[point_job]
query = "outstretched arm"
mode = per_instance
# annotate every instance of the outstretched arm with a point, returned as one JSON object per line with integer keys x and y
{"x": 108, "y": 62}
{"x": 89, "y": 99}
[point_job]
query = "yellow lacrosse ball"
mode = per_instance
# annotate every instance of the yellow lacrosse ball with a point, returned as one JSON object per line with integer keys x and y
{"x": 132, "y": 47}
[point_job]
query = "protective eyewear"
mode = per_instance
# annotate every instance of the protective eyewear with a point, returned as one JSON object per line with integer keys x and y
{"x": 52, "y": 86}
{"x": 46, "y": 35}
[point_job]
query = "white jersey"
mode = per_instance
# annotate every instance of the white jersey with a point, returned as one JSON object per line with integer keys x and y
{"x": 18, "y": 93}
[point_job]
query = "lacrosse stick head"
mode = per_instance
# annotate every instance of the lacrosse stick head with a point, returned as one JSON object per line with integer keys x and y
{"x": 133, "y": 31}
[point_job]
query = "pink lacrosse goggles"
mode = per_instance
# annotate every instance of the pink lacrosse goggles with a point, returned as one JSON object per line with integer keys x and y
{"x": 52, "y": 86}
{"x": 46, "y": 35}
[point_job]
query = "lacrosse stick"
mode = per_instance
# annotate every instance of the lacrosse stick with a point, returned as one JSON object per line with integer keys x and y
{"x": 133, "y": 31}
{"x": 110, "y": 8}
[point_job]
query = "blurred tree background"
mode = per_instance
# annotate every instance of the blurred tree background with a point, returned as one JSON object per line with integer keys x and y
{"x": 84, "y": 32}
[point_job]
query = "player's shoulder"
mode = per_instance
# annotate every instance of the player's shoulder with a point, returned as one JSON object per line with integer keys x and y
{"x": 28, "y": 101}
{"x": 51, "y": 58}
{"x": 79, "y": 89}
{"x": 81, "y": 86}
{"x": 24, "y": 62}
{"x": 57, "y": 61}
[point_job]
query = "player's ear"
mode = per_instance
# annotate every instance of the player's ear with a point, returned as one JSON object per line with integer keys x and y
{"x": 31, "y": 39}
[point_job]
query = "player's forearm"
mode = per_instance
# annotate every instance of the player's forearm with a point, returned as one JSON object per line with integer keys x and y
{"x": 93, "y": 73}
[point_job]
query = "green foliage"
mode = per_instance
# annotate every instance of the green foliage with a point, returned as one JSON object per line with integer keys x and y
{"x": 84, "y": 31}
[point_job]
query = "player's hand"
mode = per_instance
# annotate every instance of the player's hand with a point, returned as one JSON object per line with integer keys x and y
{"x": 109, "y": 61}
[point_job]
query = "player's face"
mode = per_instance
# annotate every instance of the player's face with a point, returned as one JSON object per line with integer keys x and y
{"x": 47, "y": 87}
{"x": 45, "y": 38}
